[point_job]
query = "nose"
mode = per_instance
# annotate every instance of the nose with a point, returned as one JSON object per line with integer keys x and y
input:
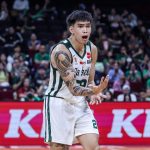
{"x": 84, "y": 30}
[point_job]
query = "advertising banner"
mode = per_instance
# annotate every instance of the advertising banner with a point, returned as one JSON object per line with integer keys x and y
{"x": 118, "y": 123}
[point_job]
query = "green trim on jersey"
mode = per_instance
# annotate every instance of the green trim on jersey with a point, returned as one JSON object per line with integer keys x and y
{"x": 70, "y": 45}
{"x": 47, "y": 116}
{"x": 59, "y": 86}
{"x": 55, "y": 74}
{"x": 89, "y": 43}
{"x": 49, "y": 123}
{"x": 67, "y": 45}
{"x": 54, "y": 80}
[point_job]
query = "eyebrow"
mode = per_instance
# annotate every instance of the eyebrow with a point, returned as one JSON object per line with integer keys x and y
{"x": 82, "y": 24}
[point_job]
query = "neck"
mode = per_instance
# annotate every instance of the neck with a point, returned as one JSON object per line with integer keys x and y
{"x": 79, "y": 47}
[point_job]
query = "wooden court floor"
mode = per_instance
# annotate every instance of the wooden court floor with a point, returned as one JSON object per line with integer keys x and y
{"x": 80, "y": 148}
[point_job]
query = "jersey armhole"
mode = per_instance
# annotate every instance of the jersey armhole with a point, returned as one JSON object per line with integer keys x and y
{"x": 61, "y": 42}
{"x": 89, "y": 43}
{"x": 67, "y": 47}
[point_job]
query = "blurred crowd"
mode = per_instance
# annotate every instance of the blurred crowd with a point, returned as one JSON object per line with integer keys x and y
{"x": 28, "y": 33}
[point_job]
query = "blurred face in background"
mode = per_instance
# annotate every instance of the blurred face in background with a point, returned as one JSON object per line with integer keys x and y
{"x": 116, "y": 67}
{"x": 16, "y": 63}
{"x": 42, "y": 49}
{"x": 3, "y": 57}
{"x": 26, "y": 82}
{"x": 109, "y": 96}
{"x": 33, "y": 37}
{"x": 1, "y": 66}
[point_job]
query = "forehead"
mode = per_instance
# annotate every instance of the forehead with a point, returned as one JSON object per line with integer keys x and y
{"x": 83, "y": 23}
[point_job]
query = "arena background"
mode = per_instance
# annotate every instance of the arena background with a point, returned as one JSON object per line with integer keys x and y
{"x": 123, "y": 126}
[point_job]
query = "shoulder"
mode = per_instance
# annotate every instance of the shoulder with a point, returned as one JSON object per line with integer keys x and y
{"x": 60, "y": 53}
{"x": 93, "y": 52}
{"x": 60, "y": 48}
{"x": 93, "y": 47}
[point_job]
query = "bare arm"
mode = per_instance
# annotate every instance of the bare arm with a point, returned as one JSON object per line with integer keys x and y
{"x": 92, "y": 71}
{"x": 63, "y": 64}
{"x": 68, "y": 74}
{"x": 96, "y": 98}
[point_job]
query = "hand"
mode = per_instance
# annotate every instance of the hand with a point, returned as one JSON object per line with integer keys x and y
{"x": 97, "y": 99}
{"x": 102, "y": 86}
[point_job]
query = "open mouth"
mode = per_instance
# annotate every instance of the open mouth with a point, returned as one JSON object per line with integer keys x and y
{"x": 84, "y": 37}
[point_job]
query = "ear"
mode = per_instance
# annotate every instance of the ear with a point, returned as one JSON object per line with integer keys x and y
{"x": 71, "y": 29}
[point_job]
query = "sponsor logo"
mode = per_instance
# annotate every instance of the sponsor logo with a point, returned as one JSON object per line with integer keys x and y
{"x": 123, "y": 122}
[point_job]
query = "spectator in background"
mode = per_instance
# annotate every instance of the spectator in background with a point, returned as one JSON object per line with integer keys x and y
{"x": 18, "y": 52}
{"x": 131, "y": 20}
{"x": 103, "y": 44}
{"x": 39, "y": 12}
{"x": 127, "y": 96}
{"x": 144, "y": 63}
{"x": 147, "y": 48}
{"x": 20, "y": 7}
{"x": 33, "y": 44}
{"x": 146, "y": 75}
{"x": 115, "y": 73}
{"x": 7, "y": 61}
{"x": 65, "y": 34}
{"x": 3, "y": 58}
{"x": 4, "y": 11}
{"x": 40, "y": 76}
{"x": 10, "y": 39}
{"x": 99, "y": 72}
{"x": 138, "y": 56}
{"x": 42, "y": 57}
{"x": 113, "y": 15}
{"x": 17, "y": 81}
{"x": 115, "y": 42}
{"x": 49, "y": 46}
{"x": 145, "y": 95}
{"x": 118, "y": 84}
{"x": 110, "y": 97}
{"x": 42, "y": 88}
{"x": 4, "y": 76}
{"x": 25, "y": 91}
{"x": 135, "y": 78}
{"x": 133, "y": 74}
{"x": 18, "y": 73}
{"x": 122, "y": 56}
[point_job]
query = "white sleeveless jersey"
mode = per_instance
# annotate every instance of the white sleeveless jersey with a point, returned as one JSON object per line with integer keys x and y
{"x": 82, "y": 65}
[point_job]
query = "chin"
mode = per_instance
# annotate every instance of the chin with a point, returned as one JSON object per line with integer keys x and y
{"x": 84, "y": 41}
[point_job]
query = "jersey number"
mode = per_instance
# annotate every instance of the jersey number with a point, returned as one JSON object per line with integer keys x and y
{"x": 94, "y": 124}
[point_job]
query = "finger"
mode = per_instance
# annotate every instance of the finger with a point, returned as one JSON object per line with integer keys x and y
{"x": 102, "y": 95}
{"x": 97, "y": 102}
{"x": 102, "y": 80}
{"x": 98, "y": 98}
{"x": 100, "y": 101}
{"x": 107, "y": 78}
{"x": 92, "y": 102}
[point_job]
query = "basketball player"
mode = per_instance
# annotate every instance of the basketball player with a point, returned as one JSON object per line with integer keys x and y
{"x": 66, "y": 111}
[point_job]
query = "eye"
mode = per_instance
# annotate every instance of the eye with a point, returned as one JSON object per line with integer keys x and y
{"x": 80, "y": 26}
{"x": 88, "y": 26}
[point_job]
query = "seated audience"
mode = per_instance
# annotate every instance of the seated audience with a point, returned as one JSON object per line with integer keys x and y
{"x": 127, "y": 95}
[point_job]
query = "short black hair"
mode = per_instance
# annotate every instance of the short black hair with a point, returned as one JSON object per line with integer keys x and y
{"x": 78, "y": 15}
